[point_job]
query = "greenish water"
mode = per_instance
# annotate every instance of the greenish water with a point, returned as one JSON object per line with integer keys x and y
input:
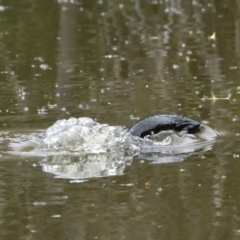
{"x": 120, "y": 61}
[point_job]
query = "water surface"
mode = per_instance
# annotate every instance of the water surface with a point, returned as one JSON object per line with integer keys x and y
{"x": 118, "y": 62}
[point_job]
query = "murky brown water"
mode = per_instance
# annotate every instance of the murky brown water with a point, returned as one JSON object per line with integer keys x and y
{"x": 118, "y": 61}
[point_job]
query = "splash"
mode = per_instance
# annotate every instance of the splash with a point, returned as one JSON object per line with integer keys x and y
{"x": 81, "y": 148}
{"x": 82, "y": 136}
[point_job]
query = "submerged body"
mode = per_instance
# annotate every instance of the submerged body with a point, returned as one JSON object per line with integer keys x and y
{"x": 158, "y": 123}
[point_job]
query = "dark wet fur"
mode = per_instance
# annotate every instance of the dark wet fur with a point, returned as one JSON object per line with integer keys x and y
{"x": 158, "y": 123}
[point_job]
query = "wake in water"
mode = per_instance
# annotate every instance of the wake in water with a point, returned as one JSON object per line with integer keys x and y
{"x": 80, "y": 148}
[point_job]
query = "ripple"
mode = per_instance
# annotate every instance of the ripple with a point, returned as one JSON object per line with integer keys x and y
{"x": 81, "y": 148}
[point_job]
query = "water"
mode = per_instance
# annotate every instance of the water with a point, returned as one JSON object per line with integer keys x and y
{"x": 81, "y": 148}
{"x": 117, "y": 62}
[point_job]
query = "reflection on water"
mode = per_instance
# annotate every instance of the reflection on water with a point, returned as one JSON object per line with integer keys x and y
{"x": 85, "y": 166}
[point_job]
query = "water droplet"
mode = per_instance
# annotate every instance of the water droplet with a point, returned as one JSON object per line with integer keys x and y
{"x": 56, "y": 216}
{"x": 39, "y": 204}
{"x": 44, "y": 66}
{"x": 175, "y": 66}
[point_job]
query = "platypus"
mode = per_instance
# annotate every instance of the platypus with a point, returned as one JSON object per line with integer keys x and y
{"x": 158, "y": 123}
